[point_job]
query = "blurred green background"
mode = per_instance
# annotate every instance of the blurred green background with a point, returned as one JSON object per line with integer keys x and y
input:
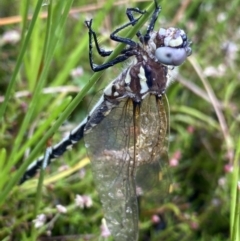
{"x": 44, "y": 65}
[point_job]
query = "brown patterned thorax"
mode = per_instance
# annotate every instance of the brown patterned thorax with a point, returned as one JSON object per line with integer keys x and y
{"x": 145, "y": 75}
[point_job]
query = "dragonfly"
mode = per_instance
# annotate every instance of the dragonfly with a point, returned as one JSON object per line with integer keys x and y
{"x": 126, "y": 132}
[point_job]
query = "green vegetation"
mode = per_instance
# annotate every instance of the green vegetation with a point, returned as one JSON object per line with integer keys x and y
{"x": 44, "y": 75}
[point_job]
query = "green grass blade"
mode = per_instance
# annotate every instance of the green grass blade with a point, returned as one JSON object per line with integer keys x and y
{"x": 20, "y": 59}
{"x": 235, "y": 197}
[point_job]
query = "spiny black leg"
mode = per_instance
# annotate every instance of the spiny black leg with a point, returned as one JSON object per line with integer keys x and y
{"x": 125, "y": 54}
{"x": 129, "y": 13}
{"x": 127, "y": 41}
{"x": 101, "y": 51}
{"x": 111, "y": 63}
{"x": 91, "y": 33}
{"x": 152, "y": 21}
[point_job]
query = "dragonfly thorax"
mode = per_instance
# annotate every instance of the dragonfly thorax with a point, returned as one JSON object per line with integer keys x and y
{"x": 139, "y": 80}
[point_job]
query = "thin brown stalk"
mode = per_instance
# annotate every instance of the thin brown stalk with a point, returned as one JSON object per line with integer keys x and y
{"x": 84, "y": 9}
{"x": 215, "y": 104}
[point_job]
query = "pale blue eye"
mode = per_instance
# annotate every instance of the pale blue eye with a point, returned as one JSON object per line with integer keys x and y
{"x": 171, "y": 56}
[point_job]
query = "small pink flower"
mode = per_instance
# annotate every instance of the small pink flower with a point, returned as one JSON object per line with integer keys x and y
{"x": 228, "y": 168}
{"x": 39, "y": 221}
{"x": 104, "y": 229}
{"x": 156, "y": 219}
{"x": 63, "y": 168}
{"x": 11, "y": 37}
{"x": 83, "y": 201}
{"x": 190, "y": 129}
{"x": 139, "y": 191}
{"x": 174, "y": 161}
{"x": 82, "y": 173}
{"x": 222, "y": 181}
{"x": 78, "y": 72}
{"x": 229, "y": 155}
{"x": 79, "y": 200}
{"x": 24, "y": 106}
{"x": 61, "y": 209}
{"x": 87, "y": 201}
{"x": 194, "y": 225}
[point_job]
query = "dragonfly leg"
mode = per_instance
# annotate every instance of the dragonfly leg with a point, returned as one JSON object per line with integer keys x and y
{"x": 127, "y": 41}
{"x": 152, "y": 21}
{"x": 129, "y": 13}
{"x": 125, "y": 54}
{"x": 91, "y": 33}
{"x": 111, "y": 63}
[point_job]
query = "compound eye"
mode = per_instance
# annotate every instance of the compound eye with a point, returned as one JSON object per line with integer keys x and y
{"x": 171, "y": 56}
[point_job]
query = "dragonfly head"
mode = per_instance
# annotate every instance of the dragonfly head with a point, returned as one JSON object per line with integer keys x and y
{"x": 172, "y": 46}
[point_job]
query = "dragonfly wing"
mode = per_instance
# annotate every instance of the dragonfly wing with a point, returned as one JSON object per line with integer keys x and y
{"x": 153, "y": 178}
{"x": 125, "y": 149}
{"x": 108, "y": 148}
